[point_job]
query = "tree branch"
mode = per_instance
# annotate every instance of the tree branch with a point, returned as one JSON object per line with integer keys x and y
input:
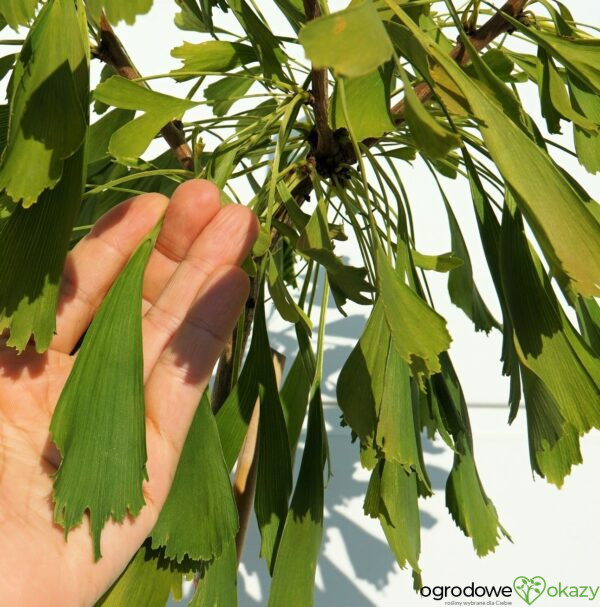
{"x": 320, "y": 94}
{"x": 113, "y": 53}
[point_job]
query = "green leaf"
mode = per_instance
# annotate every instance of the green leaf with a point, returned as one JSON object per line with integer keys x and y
{"x": 99, "y": 421}
{"x": 353, "y": 42}
{"x": 274, "y": 471}
{"x": 461, "y": 285}
{"x": 579, "y": 55}
{"x": 294, "y": 573}
{"x": 118, "y": 10}
{"x": 368, "y": 104}
{"x": 555, "y": 100}
{"x": 51, "y": 80}
{"x": 393, "y": 498}
{"x": 553, "y": 441}
{"x": 284, "y": 302}
{"x": 18, "y": 12}
{"x": 130, "y": 141}
{"x": 466, "y": 500}
{"x": 439, "y": 263}
{"x": 218, "y": 581}
{"x": 489, "y": 231}
{"x": 294, "y": 12}
{"x": 262, "y": 39}
{"x": 545, "y": 341}
{"x": 99, "y": 137}
{"x": 145, "y": 583}
{"x": 587, "y": 145}
{"x": 375, "y": 394}
{"x": 213, "y": 56}
{"x": 430, "y": 136}
{"x": 31, "y": 268}
{"x": 418, "y": 332}
{"x": 199, "y": 517}
{"x": 546, "y": 196}
{"x": 223, "y": 93}
{"x": 347, "y": 282}
{"x": 295, "y": 391}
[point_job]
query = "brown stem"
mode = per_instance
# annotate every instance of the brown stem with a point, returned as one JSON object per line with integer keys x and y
{"x": 112, "y": 52}
{"x": 244, "y": 483}
{"x": 320, "y": 93}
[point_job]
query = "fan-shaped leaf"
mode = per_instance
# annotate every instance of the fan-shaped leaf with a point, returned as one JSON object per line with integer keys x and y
{"x": 353, "y": 42}
{"x": 130, "y": 141}
{"x": 99, "y": 421}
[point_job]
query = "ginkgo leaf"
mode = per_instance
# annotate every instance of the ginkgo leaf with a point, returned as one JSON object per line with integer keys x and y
{"x": 18, "y": 12}
{"x": 213, "y": 56}
{"x": 553, "y": 441}
{"x": 99, "y": 421}
{"x": 555, "y": 103}
{"x": 545, "y": 341}
{"x": 144, "y": 583}
{"x": 353, "y": 41}
{"x": 376, "y": 396}
{"x": 392, "y": 497}
{"x": 347, "y": 282}
{"x": 285, "y": 304}
{"x": 579, "y": 55}
{"x": 546, "y": 196}
{"x": 430, "y": 136}
{"x": 263, "y": 41}
{"x": 223, "y": 93}
{"x": 439, "y": 263}
{"x": 368, "y": 104}
{"x": 466, "y": 500}
{"x": 418, "y": 332}
{"x": 461, "y": 285}
{"x": 118, "y": 10}
{"x": 31, "y": 268}
{"x": 217, "y": 584}
{"x": 129, "y": 142}
{"x": 199, "y": 517}
{"x": 51, "y": 80}
{"x": 294, "y": 573}
{"x": 274, "y": 470}
{"x": 587, "y": 145}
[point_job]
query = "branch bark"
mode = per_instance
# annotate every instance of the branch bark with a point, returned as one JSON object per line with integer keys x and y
{"x": 320, "y": 93}
{"x": 113, "y": 53}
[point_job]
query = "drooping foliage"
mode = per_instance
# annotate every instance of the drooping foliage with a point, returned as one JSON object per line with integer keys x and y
{"x": 318, "y": 119}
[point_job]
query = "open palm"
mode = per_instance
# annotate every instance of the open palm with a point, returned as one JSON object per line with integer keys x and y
{"x": 193, "y": 294}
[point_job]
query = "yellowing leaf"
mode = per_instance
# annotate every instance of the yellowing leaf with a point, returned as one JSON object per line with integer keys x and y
{"x": 99, "y": 421}
{"x": 130, "y": 141}
{"x": 353, "y": 42}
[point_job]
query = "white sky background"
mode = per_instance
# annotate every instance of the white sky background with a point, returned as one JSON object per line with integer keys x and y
{"x": 475, "y": 355}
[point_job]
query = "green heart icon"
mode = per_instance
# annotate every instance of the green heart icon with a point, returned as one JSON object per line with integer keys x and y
{"x": 529, "y": 589}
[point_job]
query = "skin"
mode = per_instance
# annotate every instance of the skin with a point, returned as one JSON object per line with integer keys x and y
{"x": 194, "y": 291}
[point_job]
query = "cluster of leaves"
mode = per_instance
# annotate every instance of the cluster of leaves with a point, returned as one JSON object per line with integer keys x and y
{"x": 58, "y": 175}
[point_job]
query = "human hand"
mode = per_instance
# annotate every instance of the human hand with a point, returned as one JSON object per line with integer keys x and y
{"x": 193, "y": 294}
